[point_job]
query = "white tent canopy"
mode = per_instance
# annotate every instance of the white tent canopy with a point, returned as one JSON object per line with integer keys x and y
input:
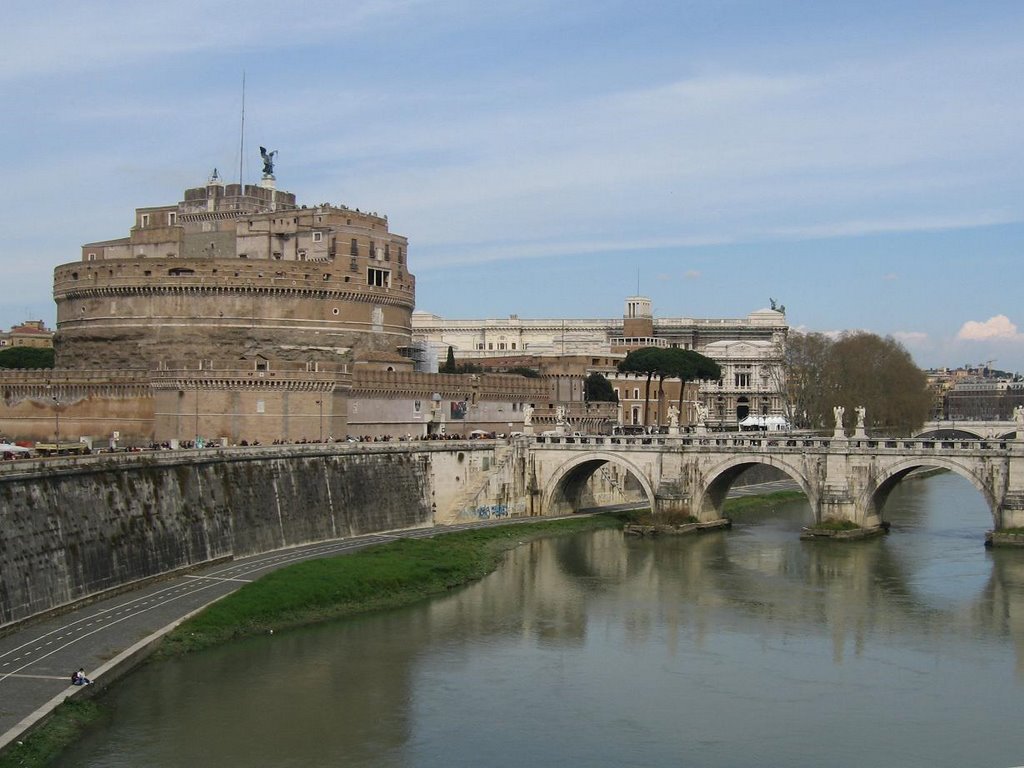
{"x": 771, "y": 423}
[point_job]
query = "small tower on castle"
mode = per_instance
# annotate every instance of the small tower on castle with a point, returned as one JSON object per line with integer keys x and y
{"x": 214, "y": 191}
{"x": 638, "y": 321}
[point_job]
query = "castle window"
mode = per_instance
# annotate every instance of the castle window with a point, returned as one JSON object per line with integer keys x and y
{"x": 335, "y": 311}
{"x": 145, "y": 219}
{"x": 354, "y": 248}
{"x": 513, "y": 345}
{"x": 302, "y": 255}
{"x": 387, "y": 252}
{"x": 90, "y": 257}
{"x": 401, "y": 255}
{"x": 480, "y": 345}
{"x": 172, "y": 218}
{"x": 380, "y": 278}
{"x": 742, "y": 379}
{"x": 318, "y": 237}
{"x": 327, "y": 276}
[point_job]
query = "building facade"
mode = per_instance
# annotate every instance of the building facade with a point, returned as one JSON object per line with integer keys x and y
{"x": 749, "y": 351}
{"x": 31, "y": 333}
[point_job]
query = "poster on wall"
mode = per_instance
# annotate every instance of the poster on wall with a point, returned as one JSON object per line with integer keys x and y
{"x": 458, "y": 409}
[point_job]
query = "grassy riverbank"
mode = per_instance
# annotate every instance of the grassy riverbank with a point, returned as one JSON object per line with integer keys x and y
{"x": 381, "y": 577}
{"x": 45, "y": 744}
{"x": 745, "y": 503}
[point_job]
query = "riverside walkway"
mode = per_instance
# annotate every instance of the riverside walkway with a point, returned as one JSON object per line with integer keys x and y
{"x": 108, "y": 636}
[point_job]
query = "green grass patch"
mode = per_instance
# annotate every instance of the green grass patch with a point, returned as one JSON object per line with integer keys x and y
{"x": 64, "y": 727}
{"x": 382, "y": 577}
{"x": 833, "y": 524}
{"x": 753, "y": 503}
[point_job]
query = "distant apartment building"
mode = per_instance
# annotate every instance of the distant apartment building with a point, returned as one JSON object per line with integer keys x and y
{"x": 983, "y": 400}
{"x": 31, "y": 333}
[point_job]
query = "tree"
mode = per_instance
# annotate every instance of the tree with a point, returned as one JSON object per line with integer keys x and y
{"x": 802, "y": 379}
{"x": 26, "y": 357}
{"x": 857, "y": 369}
{"x": 522, "y": 370}
{"x": 688, "y": 365}
{"x": 449, "y": 363}
{"x": 645, "y": 360}
{"x": 597, "y": 389}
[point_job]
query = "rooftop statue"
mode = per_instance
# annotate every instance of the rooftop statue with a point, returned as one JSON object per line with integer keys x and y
{"x": 268, "y": 161}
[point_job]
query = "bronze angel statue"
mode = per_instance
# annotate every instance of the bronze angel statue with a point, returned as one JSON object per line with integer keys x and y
{"x": 268, "y": 161}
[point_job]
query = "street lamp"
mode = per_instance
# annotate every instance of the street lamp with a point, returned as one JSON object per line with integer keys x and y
{"x": 56, "y": 417}
{"x": 320, "y": 403}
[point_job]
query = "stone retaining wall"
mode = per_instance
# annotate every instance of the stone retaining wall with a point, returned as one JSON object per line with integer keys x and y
{"x": 70, "y": 529}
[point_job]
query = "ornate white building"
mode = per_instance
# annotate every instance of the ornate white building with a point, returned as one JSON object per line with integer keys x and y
{"x": 749, "y": 351}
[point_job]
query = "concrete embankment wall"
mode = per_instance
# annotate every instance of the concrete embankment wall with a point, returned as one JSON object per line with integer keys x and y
{"x": 71, "y": 529}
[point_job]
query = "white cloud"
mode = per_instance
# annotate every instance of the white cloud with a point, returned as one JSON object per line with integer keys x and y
{"x": 911, "y": 338}
{"x": 691, "y": 274}
{"x": 997, "y": 328}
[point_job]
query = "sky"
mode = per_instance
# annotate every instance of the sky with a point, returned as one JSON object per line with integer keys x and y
{"x": 859, "y": 163}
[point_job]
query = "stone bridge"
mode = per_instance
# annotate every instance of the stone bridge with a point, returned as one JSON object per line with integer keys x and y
{"x": 843, "y": 478}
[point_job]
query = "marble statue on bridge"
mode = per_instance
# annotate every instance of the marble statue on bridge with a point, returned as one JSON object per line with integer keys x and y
{"x": 673, "y": 416}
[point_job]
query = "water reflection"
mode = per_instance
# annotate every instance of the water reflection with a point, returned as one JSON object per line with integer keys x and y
{"x": 732, "y": 648}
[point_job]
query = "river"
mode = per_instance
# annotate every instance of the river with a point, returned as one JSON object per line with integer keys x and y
{"x": 736, "y": 648}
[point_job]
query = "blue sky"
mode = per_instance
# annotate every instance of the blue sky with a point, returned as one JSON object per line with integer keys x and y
{"x": 859, "y": 162}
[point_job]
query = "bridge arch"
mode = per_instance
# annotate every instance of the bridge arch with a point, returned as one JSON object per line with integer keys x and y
{"x": 876, "y": 494}
{"x": 564, "y": 488}
{"x": 951, "y": 433}
{"x": 717, "y": 480}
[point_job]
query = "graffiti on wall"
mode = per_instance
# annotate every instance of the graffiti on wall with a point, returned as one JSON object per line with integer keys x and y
{"x": 493, "y": 511}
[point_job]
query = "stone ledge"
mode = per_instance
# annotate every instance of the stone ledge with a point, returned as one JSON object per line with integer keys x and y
{"x": 635, "y": 529}
{"x": 1003, "y": 539}
{"x": 852, "y": 534}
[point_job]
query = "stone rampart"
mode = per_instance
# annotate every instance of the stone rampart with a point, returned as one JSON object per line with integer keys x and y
{"x": 73, "y": 528}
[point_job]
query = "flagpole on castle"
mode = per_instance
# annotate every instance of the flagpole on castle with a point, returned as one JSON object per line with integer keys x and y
{"x": 241, "y": 146}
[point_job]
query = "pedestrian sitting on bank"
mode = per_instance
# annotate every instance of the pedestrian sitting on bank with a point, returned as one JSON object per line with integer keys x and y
{"x": 79, "y": 678}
